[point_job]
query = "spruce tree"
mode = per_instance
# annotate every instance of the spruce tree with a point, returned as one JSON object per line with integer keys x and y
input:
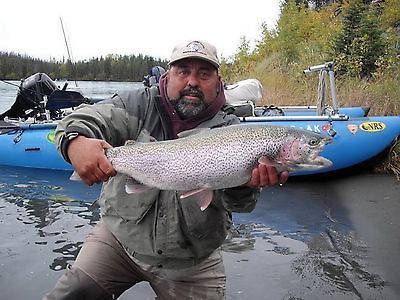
{"x": 359, "y": 45}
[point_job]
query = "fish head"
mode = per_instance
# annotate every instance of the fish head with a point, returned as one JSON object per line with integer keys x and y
{"x": 301, "y": 151}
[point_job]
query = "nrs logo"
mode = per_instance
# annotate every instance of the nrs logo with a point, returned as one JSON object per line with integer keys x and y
{"x": 372, "y": 126}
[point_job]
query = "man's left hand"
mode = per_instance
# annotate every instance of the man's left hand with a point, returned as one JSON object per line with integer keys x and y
{"x": 265, "y": 175}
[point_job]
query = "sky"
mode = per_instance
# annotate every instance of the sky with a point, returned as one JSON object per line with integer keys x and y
{"x": 98, "y": 28}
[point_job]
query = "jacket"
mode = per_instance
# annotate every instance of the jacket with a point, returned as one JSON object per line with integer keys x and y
{"x": 155, "y": 227}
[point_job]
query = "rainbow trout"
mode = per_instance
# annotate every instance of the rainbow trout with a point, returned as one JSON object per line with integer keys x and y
{"x": 206, "y": 159}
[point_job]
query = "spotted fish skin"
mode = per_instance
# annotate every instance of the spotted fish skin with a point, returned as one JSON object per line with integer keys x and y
{"x": 218, "y": 158}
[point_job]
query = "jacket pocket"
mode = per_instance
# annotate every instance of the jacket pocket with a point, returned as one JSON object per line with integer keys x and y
{"x": 206, "y": 230}
{"x": 200, "y": 224}
{"x": 129, "y": 207}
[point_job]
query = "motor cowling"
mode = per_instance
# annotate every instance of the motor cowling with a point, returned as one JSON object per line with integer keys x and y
{"x": 30, "y": 98}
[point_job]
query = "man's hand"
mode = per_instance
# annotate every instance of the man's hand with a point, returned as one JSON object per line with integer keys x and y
{"x": 89, "y": 161}
{"x": 265, "y": 175}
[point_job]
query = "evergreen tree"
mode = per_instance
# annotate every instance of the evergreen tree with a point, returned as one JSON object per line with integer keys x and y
{"x": 112, "y": 67}
{"x": 359, "y": 45}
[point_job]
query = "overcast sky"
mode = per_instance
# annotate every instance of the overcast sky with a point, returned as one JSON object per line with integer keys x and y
{"x": 126, "y": 27}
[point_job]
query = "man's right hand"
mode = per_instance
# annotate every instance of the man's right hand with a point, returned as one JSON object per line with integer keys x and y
{"x": 89, "y": 160}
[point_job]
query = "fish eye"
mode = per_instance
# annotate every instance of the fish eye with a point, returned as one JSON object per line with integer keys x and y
{"x": 313, "y": 142}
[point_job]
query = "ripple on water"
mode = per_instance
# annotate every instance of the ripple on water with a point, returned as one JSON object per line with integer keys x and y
{"x": 42, "y": 225}
{"x": 262, "y": 262}
{"x": 335, "y": 266}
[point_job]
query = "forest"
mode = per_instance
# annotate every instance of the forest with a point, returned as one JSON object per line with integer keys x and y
{"x": 110, "y": 68}
{"x": 361, "y": 37}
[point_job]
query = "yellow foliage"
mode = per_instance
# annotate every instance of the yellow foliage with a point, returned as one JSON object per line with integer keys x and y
{"x": 391, "y": 13}
{"x": 304, "y": 38}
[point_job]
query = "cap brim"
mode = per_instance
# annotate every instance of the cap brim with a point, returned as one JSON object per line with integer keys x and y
{"x": 216, "y": 65}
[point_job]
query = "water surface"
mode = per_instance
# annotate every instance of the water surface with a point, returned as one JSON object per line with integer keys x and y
{"x": 331, "y": 239}
{"x": 90, "y": 89}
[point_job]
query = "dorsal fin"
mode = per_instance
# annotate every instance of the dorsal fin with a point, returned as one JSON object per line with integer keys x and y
{"x": 191, "y": 132}
{"x": 145, "y": 137}
{"x": 129, "y": 142}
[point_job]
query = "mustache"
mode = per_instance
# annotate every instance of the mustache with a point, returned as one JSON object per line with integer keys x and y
{"x": 191, "y": 91}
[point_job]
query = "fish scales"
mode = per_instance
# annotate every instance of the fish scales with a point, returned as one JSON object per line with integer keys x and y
{"x": 216, "y": 158}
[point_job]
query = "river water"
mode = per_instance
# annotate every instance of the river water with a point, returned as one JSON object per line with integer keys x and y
{"x": 334, "y": 238}
{"x": 90, "y": 89}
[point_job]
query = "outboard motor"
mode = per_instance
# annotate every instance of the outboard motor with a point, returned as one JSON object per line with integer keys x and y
{"x": 30, "y": 97}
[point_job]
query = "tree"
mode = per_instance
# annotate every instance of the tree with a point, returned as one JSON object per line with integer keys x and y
{"x": 359, "y": 44}
{"x": 112, "y": 67}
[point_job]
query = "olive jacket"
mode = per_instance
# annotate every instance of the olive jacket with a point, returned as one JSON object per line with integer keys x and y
{"x": 155, "y": 227}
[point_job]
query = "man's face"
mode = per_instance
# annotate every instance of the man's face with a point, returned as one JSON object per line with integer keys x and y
{"x": 192, "y": 85}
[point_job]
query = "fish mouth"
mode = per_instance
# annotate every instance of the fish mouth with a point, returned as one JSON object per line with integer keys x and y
{"x": 313, "y": 164}
{"x": 322, "y": 161}
{"x": 328, "y": 140}
{"x": 316, "y": 161}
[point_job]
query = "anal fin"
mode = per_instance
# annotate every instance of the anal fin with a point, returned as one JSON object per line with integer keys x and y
{"x": 202, "y": 196}
{"x": 134, "y": 187}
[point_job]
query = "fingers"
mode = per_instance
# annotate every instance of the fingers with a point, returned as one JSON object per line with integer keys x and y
{"x": 101, "y": 173}
{"x": 255, "y": 178}
{"x": 283, "y": 177}
{"x": 89, "y": 160}
{"x": 266, "y": 175}
{"x": 105, "y": 171}
{"x": 105, "y": 145}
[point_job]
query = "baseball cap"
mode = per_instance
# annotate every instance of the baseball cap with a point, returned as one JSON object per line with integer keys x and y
{"x": 195, "y": 49}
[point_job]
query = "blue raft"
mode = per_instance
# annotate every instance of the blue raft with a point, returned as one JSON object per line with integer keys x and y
{"x": 356, "y": 140}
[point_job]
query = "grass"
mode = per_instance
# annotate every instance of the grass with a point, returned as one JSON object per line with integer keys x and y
{"x": 392, "y": 162}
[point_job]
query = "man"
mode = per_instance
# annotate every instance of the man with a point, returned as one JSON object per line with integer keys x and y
{"x": 154, "y": 236}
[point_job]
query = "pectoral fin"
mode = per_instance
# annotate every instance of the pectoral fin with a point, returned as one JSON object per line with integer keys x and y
{"x": 266, "y": 161}
{"x": 202, "y": 196}
{"x": 280, "y": 166}
{"x": 134, "y": 187}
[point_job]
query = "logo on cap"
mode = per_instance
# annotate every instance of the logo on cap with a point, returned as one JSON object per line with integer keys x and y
{"x": 194, "y": 47}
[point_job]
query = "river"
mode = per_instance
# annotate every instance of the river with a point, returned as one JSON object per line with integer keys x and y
{"x": 335, "y": 238}
{"x": 332, "y": 238}
{"x": 90, "y": 89}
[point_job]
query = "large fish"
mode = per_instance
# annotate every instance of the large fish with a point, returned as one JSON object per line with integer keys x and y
{"x": 206, "y": 159}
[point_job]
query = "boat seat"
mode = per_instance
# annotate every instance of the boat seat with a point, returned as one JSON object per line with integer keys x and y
{"x": 243, "y": 109}
{"x": 269, "y": 111}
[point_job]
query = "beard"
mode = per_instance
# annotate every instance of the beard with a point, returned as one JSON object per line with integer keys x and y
{"x": 189, "y": 108}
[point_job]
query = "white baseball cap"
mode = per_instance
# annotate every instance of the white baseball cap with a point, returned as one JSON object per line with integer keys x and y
{"x": 195, "y": 49}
